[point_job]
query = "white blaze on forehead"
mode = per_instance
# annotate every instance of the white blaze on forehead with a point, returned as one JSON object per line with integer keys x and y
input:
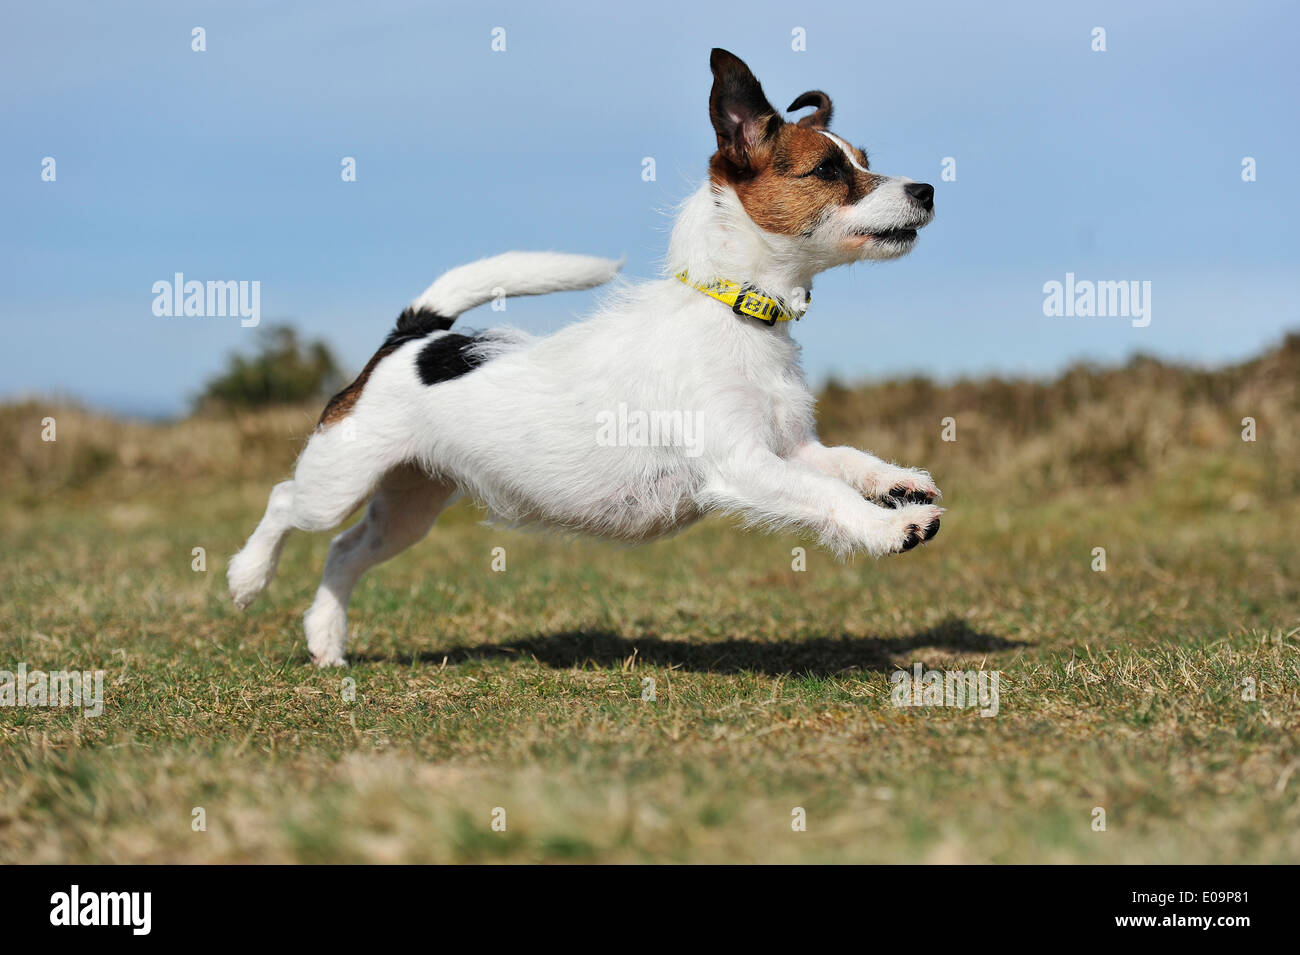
{"x": 848, "y": 150}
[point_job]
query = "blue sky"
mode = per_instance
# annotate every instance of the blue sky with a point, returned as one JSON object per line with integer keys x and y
{"x": 225, "y": 164}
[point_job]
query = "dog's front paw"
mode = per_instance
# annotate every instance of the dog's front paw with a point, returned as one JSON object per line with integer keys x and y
{"x": 913, "y": 524}
{"x": 899, "y": 486}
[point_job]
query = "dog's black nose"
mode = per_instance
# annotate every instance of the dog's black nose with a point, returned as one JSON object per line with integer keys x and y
{"x": 923, "y": 193}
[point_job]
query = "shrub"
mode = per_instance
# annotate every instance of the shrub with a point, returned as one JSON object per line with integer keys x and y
{"x": 285, "y": 371}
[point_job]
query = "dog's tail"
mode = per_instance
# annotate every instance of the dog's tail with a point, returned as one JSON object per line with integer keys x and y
{"x": 507, "y": 275}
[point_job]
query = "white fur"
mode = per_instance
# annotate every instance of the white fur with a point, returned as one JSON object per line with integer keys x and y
{"x": 844, "y": 148}
{"x": 513, "y": 274}
{"x": 520, "y": 432}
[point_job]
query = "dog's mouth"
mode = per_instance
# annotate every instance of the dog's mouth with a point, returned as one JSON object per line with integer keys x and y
{"x": 889, "y": 235}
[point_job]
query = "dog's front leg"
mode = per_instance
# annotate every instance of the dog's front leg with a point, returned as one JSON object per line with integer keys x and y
{"x": 869, "y": 475}
{"x": 770, "y": 491}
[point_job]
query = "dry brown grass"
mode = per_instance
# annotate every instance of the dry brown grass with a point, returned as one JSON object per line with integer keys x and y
{"x": 1091, "y": 426}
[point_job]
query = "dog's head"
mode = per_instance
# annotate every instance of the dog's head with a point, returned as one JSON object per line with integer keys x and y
{"x": 802, "y": 181}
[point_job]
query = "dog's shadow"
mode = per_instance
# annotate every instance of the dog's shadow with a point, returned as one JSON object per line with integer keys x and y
{"x": 815, "y": 656}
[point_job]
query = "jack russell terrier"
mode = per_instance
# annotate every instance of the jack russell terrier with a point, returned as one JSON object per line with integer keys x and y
{"x": 515, "y": 421}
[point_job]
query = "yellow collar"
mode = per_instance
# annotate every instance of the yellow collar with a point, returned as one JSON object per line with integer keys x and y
{"x": 745, "y": 300}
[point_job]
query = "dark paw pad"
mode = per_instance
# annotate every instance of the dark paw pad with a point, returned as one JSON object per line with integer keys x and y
{"x": 913, "y": 537}
{"x": 902, "y": 495}
{"x": 932, "y": 529}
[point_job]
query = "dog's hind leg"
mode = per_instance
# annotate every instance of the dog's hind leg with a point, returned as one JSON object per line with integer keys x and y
{"x": 400, "y": 514}
{"x": 335, "y": 473}
{"x": 251, "y": 570}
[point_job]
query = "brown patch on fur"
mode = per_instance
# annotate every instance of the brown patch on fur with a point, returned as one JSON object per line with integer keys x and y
{"x": 778, "y": 187}
{"x": 342, "y": 404}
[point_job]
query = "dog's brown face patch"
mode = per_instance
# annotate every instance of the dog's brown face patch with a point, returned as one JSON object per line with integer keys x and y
{"x": 787, "y": 175}
{"x": 792, "y": 177}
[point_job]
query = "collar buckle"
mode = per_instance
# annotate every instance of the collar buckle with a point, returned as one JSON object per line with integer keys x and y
{"x": 751, "y": 303}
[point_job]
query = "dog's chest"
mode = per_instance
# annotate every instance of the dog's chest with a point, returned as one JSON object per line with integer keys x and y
{"x": 785, "y": 403}
{"x": 792, "y": 414}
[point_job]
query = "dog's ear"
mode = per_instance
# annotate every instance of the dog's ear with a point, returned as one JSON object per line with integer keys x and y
{"x": 819, "y": 118}
{"x": 742, "y": 117}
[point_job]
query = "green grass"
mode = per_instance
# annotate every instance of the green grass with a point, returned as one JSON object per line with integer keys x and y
{"x": 522, "y": 690}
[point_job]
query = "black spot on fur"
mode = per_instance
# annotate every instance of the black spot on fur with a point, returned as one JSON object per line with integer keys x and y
{"x": 446, "y": 357}
{"x": 412, "y": 325}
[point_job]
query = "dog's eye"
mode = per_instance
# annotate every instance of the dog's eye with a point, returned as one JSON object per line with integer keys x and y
{"x": 827, "y": 170}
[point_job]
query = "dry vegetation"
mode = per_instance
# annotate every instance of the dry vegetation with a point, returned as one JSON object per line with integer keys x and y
{"x": 1090, "y": 426}
{"x": 522, "y": 690}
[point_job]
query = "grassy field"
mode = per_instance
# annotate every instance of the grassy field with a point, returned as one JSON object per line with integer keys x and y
{"x": 1120, "y": 690}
